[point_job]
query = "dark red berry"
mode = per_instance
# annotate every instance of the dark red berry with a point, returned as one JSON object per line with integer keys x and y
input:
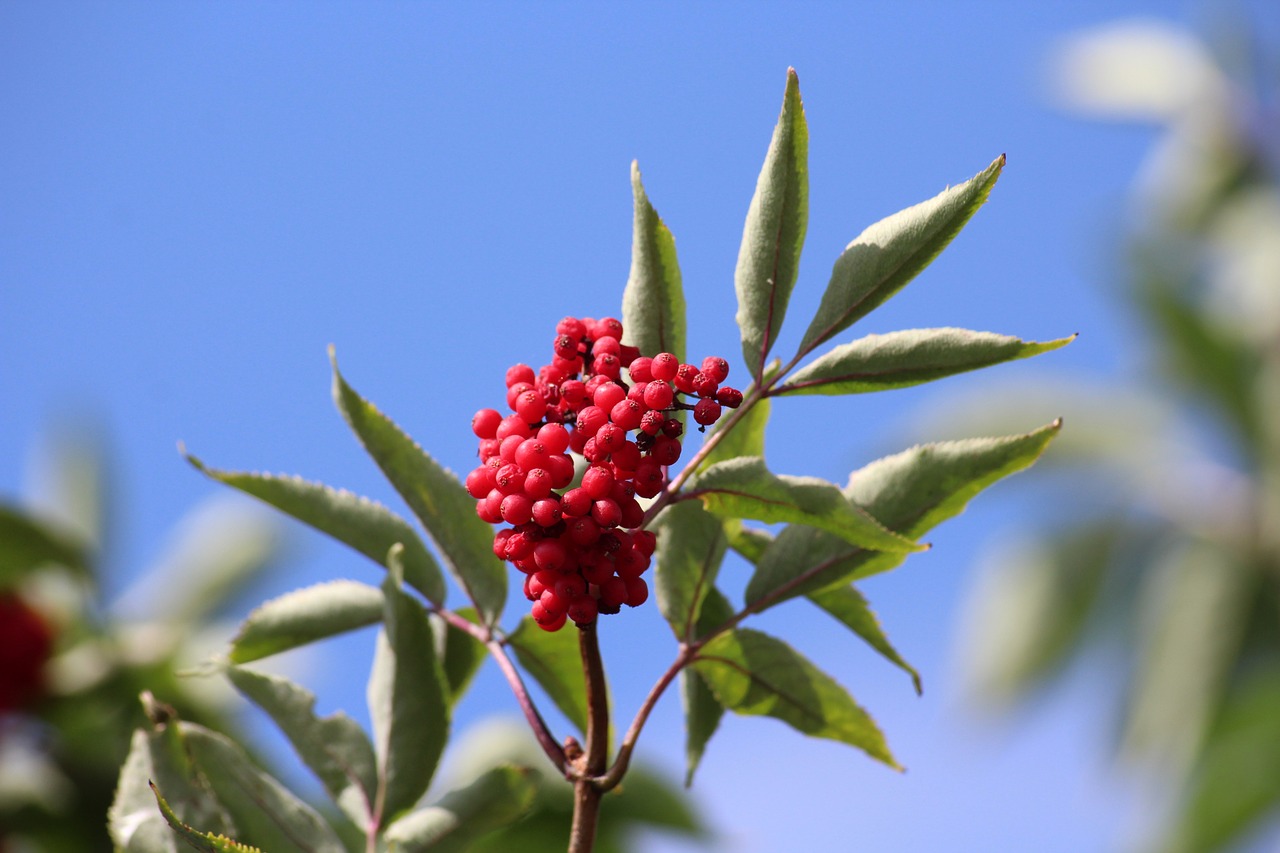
{"x": 706, "y": 412}
{"x": 730, "y": 397}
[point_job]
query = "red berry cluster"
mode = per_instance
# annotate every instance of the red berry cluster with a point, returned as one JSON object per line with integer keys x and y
{"x": 26, "y": 641}
{"x": 581, "y": 548}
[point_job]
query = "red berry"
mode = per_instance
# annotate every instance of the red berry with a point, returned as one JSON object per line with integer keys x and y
{"x": 597, "y": 482}
{"x": 640, "y": 370}
{"x": 550, "y": 555}
{"x": 573, "y": 327}
{"x": 609, "y": 395}
{"x": 651, "y": 422}
{"x": 590, "y": 419}
{"x": 26, "y": 642}
{"x": 546, "y": 620}
{"x": 637, "y": 591}
{"x": 513, "y": 425}
{"x": 531, "y": 406}
{"x": 565, "y": 346}
{"x": 582, "y": 610}
{"x": 607, "y": 327}
{"x": 715, "y": 367}
{"x": 516, "y": 509}
{"x": 626, "y": 414}
{"x": 666, "y": 451}
{"x": 555, "y": 437}
{"x": 658, "y": 395}
{"x": 519, "y": 373}
{"x": 649, "y": 478}
{"x": 730, "y": 397}
{"x": 607, "y": 365}
{"x": 606, "y": 512}
{"x": 613, "y": 593}
{"x": 685, "y": 375}
{"x": 560, "y": 467}
{"x": 664, "y": 366}
{"x": 706, "y": 412}
{"x": 606, "y": 344}
{"x": 480, "y": 481}
{"x": 704, "y": 385}
{"x": 576, "y": 503}
{"x": 547, "y": 512}
{"x": 485, "y": 423}
{"x": 582, "y": 531}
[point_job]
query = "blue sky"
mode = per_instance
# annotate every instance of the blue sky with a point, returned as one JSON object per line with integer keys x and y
{"x": 198, "y": 198}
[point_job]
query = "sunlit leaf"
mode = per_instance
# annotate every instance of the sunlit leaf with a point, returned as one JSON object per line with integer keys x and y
{"x": 769, "y": 258}
{"x": 755, "y": 674}
{"x": 499, "y": 797}
{"x": 911, "y": 492}
{"x": 744, "y": 488}
{"x": 653, "y": 307}
{"x": 436, "y": 497}
{"x": 365, "y": 525}
{"x": 408, "y": 699}
{"x": 748, "y": 542}
{"x": 886, "y": 256}
{"x": 265, "y": 812}
{"x": 691, "y": 546}
{"x": 305, "y": 616}
{"x": 206, "y": 842}
{"x": 335, "y": 747}
{"x": 134, "y": 823}
{"x": 903, "y": 359}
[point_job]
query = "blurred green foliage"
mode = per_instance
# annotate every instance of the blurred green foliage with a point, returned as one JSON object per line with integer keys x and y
{"x": 1171, "y": 554}
{"x": 60, "y": 753}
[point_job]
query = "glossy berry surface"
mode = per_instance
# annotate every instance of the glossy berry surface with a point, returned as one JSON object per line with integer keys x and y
{"x": 583, "y": 550}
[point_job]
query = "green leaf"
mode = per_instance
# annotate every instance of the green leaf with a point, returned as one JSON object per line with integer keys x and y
{"x": 903, "y": 359}
{"x": 304, "y": 616}
{"x": 27, "y": 543}
{"x": 206, "y": 842}
{"x": 265, "y": 812}
{"x": 749, "y": 542}
{"x": 459, "y": 652}
{"x": 408, "y": 700}
{"x": 911, "y": 492}
{"x": 436, "y": 497}
{"x": 702, "y": 713}
{"x": 498, "y": 798}
{"x": 886, "y": 256}
{"x": 653, "y": 307}
{"x": 365, "y": 525}
{"x": 848, "y": 606}
{"x": 334, "y": 747}
{"x": 1237, "y": 783}
{"x": 691, "y": 546}
{"x": 752, "y": 673}
{"x": 133, "y": 822}
{"x": 555, "y": 662}
{"x": 744, "y": 488}
{"x": 769, "y": 258}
